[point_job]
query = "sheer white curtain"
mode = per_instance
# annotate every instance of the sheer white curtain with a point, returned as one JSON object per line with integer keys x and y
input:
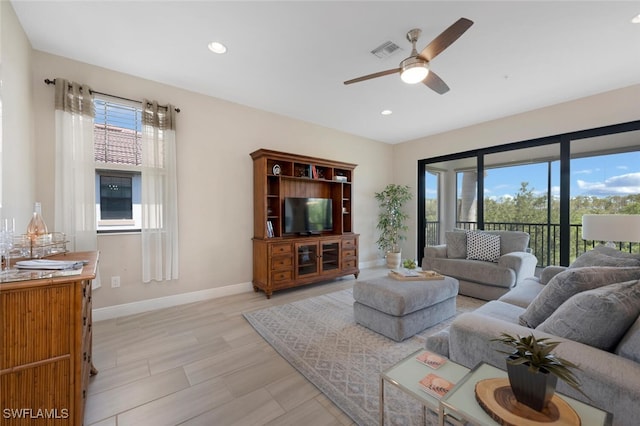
{"x": 75, "y": 198}
{"x": 159, "y": 193}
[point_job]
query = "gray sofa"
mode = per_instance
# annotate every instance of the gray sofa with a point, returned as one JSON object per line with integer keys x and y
{"x": 480, "y": 274}
{"x": 592, "y": 307}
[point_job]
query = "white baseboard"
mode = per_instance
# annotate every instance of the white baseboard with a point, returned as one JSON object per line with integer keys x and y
{"x": 125, "y": 309}
{"x": 372, "y": 264}
{"x": 116, "y": 311}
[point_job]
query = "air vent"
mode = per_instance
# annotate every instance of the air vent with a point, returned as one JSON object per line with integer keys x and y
{"x": 386, "y": 49}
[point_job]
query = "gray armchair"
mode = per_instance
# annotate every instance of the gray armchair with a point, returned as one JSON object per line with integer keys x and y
{"x": 483, "y": 279}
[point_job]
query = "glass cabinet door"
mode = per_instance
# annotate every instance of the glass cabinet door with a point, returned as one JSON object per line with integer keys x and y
{"x": 330, "y": 255}
{"x": 307, "y": 259}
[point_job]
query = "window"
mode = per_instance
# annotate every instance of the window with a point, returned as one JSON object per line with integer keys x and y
{"x": 115, "y": 197}
{"x": 118, "y": 149}
{"x": 432, "y": 206}
{"x": 543, "y": 187}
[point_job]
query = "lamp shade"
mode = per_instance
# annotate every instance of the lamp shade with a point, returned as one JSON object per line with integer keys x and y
{"x": 611, "y": 227}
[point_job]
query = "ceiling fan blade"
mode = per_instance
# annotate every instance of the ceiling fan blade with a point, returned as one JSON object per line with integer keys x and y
{"x": 445, "y": 39}
{"x": 435, "y": 83}
{"x": 374, "y": 75}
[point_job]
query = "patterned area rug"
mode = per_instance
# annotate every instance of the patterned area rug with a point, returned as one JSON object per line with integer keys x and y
{"x": 319, "y": 337}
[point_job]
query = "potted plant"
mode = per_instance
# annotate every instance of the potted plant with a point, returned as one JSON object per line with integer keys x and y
{"x": 534, "y": 370}
{"x": 409, "y": 264}
{"x": 391, "y": 221}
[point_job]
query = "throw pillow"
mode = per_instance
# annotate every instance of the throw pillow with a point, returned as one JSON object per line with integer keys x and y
{"x": 511, "y": 241}
{"x": 597, "y": 258}
{"x": 610, "y": 251}
{"x": 598, "y": 317}
{"x": 567, "y": 283}
{"x": 456, "y": 244}
{"x": 483, "y": 246}
{"x": 629, "y": 346}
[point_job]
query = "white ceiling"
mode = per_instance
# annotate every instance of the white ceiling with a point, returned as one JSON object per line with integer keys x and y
{"x": 291, "y": 58}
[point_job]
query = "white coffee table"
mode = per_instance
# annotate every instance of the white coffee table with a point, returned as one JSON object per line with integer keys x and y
{"x": 406, "y": 374}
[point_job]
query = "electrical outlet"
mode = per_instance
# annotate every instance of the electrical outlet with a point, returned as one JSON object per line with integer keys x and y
{"x": 115, "y": 282}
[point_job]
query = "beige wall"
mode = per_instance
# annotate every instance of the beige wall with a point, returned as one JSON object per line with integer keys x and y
{"x": 618, "y": 106}
{"x": 17, "y": 165}
{"x": 215, "y": 179}
{"x": 215, "y": 138}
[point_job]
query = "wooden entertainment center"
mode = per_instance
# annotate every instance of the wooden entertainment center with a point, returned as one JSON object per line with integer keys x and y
{"x": 284, "y": 259}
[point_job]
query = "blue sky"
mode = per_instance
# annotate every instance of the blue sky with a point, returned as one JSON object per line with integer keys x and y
{"x": 615, "y": 174}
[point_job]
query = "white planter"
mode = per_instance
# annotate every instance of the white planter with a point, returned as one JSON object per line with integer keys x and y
{"x": 393, "y": 260}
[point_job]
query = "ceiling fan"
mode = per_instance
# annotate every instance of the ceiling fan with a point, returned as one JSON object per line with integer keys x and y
{"x": 415, "y": 68}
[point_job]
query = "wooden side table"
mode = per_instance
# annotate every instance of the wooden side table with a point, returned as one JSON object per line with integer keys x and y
{"x": 460, "y": 404}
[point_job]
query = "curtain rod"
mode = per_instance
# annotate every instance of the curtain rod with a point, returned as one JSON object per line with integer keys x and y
{"x": 49, "y": 81}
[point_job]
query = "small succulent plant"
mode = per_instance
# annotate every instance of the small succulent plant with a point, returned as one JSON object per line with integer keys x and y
{"x": 537, "y": 355}
{"x": 409, "y": 264}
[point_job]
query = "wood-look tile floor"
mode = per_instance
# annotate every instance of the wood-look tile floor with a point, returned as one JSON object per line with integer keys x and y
{"x": 203, "y": 364}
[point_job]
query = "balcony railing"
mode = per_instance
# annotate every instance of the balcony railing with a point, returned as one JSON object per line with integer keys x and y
{"x": 544, "y": 239}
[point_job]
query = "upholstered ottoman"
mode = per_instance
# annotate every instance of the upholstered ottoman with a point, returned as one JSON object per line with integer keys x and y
{"x": 400, "y": 309}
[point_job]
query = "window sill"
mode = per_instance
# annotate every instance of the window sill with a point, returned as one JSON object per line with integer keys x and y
{"x": 118, "y": 231}
{"x": 117, "y": 222}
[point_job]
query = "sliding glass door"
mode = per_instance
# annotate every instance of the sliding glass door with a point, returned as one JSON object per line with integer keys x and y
{"x": 540, "y": 186}
{"x": 605, "y": 179}
{"x": 521, "y": 193}
{"x": 432, "y": 205}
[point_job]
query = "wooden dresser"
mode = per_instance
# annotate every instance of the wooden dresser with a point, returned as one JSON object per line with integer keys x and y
{"x": 45, "y": 345}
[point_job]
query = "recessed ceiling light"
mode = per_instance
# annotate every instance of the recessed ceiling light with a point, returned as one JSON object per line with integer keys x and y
{"x": 386, "y": 112}
{"x": 217, "y": 47}
{"x": 636, "y": 19}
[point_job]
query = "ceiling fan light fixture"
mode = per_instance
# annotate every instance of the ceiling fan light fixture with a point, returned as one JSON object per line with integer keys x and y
{"x": 414, "y": 70}
{"x": 217, "y": 47}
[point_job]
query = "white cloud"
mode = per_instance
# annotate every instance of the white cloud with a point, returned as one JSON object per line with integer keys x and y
{"x": 617, "y": 185}
{"x": 504, "y": 186}
{"x": 500, "y": 198}
{"x": 584, "y": 172}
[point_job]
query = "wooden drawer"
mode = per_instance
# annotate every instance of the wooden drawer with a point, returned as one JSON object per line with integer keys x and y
{"x": 280, "y": 276}
{"x": 348, "y": 253}
{"x": 348, "y": 243}
{"x": 277, "y": 249}
{"x": 348, "y": 264}
{"x": 281, "y": 262}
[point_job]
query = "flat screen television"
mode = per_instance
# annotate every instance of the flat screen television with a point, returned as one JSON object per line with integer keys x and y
{"x": 307, "y": 215}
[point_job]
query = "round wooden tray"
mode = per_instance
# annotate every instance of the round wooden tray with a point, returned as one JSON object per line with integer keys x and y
{"x": 496, "y": 398}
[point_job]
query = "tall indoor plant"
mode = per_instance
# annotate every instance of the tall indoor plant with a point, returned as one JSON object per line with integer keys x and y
{"x": 533, "y": 370}
{"x": 392, "y": 221}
